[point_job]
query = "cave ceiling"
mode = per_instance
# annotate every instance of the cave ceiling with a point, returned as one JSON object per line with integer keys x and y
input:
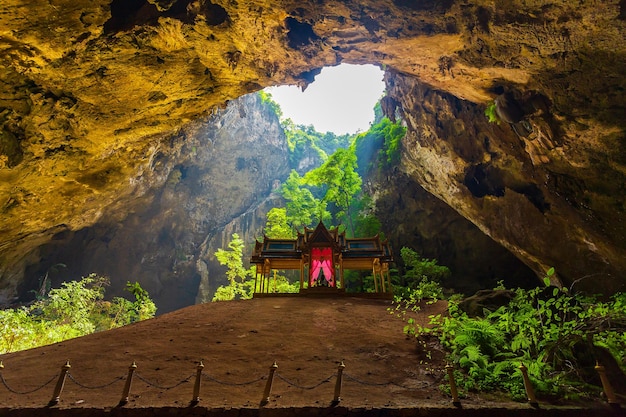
{"x": 91, "y": 92}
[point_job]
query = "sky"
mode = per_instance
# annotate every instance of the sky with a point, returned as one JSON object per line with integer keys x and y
{"x": 340, "y": 100}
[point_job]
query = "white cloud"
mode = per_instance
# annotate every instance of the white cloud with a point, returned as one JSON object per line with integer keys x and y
{"x": 340, "y": 100}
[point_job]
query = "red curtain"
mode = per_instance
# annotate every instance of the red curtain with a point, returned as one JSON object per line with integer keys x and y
{"x": 322, "y": 272}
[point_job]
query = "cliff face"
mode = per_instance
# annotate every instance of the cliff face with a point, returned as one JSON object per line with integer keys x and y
{"x": 95, "y": 96}
{"x": 212, "y": 178}
{"x": 414, "y": 218}
{"x": 546, "y": 197}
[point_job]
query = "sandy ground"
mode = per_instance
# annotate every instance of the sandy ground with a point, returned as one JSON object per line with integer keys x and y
{"x": 238, "y": 342}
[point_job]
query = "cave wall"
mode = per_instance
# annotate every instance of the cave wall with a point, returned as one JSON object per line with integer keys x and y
{"x": 412, "y": 217}
{"x": 220, "y": 184}
{"x": 92, "y": 93}
{"x": 520, "y": 187}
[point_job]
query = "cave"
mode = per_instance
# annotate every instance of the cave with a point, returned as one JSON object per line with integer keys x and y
{"x": 107, "y": 107}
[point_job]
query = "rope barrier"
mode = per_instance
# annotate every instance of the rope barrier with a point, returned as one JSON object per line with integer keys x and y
{"x": 232, "y": 384}
{"x": 340, "y": 375}
{"x": 119, "y": 378}
{"x": 6, "y": 385}
{"x": 293, "y": 384}
{"x": 152, "y": 384}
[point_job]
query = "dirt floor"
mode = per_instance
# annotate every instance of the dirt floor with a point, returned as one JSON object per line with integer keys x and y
{"x": 238, "y": 341}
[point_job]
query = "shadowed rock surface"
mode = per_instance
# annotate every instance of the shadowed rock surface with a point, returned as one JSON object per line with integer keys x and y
{"x": 95, "y": 95}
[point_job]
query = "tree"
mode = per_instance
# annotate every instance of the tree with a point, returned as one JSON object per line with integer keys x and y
{"x": 239, "y": 286}
{"x": 302, "y": 206}
{"x": 276, "y": 226}
{"x": 340, "y": 182}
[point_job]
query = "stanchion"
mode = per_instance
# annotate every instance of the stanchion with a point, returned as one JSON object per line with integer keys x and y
{"x": 196, "y": 387}
{"x": 337, "y": 397}
{"x": 530, "y": 392}
{"x": 56, "y": 395}
{"x": 129, "y": 381}
{"x": 606, "y": 386}
{"x": 453, "y": 389}
{"x": 268, "y": 385}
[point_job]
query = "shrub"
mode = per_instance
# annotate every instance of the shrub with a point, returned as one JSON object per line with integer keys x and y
{"x": 543, "y": 328}
{"x": 75, "y": 309}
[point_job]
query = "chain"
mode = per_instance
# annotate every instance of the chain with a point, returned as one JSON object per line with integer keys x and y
{"x": 293, "y": 384}
{"x": 95, "y": 387}
{"x": 377, "y": 384}
{"x": 372, "y": 384}
{"x": 210, "y": 378}
{"x": 164, "y": 388}
{"x": 4, "y": 382}
{"x": 424, "y": 384}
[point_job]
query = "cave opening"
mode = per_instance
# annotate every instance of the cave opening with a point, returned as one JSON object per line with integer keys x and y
{"x": 341, "y": 99}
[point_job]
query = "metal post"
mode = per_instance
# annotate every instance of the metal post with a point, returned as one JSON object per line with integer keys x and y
{"x": 196, "y": 387}
{"x": 268, "y": 385}
{"x": 530, "y": 392}
{"x": 337, "y": 397}
{"x": 453, "y": 390}
{"x": 129, "y": 381}
{"x": 606, "y": 385}
{"x": 56, "y": 396}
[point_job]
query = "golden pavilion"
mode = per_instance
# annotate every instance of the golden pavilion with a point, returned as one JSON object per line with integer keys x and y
{"x": 322, "y": 255}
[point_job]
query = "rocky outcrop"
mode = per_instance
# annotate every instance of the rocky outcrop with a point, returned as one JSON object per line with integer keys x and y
{"x": 94, "y": 93}
{"x": 223, "y": 167}
{"x": 523, "y": 189}
{"x": 412, "y": 217}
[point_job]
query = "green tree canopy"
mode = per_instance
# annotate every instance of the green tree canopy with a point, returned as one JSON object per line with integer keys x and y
{"x": 339, "y": 182}
{"x": 276, "y": 226}
{"x": 303, "y": 208}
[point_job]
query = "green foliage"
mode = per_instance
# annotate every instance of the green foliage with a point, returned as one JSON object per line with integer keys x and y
{"x": 546, "y": 329}
{"x": 143, "y": 307}
{"x": 239, "y": 286}
{"x": 280, "y": 284}
{"x": 267, "y": 100}
{"x": 75, "y": 309}
{"x": 339, "y": 183}
{"x": 366, "y": 222}
{"x": 277, "y": 226}
{"x": 491, "y": 114}
{"x": 426, "y": 289}
{"x": 417, "y": 269}
{"x": 303, "y": 208}
{"x": 305, "y": 141}
{"x": 383, "y": 138}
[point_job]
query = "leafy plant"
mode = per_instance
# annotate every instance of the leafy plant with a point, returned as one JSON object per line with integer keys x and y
{"x": 491, "y": 114}
{"x": 419, "y": 278}
{"x": 383, "y": 139}
{"x": 75, "y": 309}
{"x": 239, "y": 286}
{"x": 549, "y": 330}
{"x": 339, "y": 183}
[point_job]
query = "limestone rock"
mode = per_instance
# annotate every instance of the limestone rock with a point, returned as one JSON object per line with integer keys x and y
{"x": 209, "y": 180}
{"x": 94, "y": 93}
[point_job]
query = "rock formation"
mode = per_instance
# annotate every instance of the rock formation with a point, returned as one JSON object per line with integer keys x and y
{"x": 216, "y": 169}
{"x": 95, "y": 95}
